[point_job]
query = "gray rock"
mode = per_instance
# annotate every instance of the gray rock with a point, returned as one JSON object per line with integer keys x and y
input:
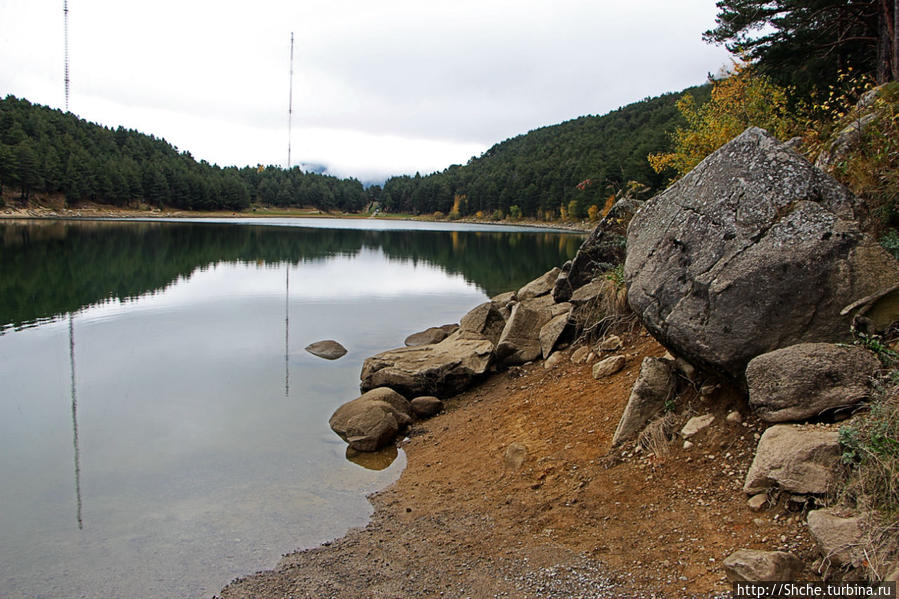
{"x": 551, "y": 332}
{"x": 559, "y": 309}
{"x": 371, "y": 428}
{"x": 430, "y": 335}
{"x": 757, "y": 502}
{"x": 442, "y": 369}
{"x": 504, "y": 299}
{"x": 552, "y": 360}
{"x": 579, "y": 356}
{"x": 329, "y": 350}
{"x": 602, "y": 250}
{"x": 542, "y": 285}
{"x": 485, "y": 320}
{"x": 696, "y": 424}
{"x": 611, "y": 343}
{"x": 608, "y": 367}
{"x": 385, "y": 399}
{"x": 520, "y": 338}
{"x": 426, "y": 406}
{"x": 839, "y": 534}
{"x": 372, "y": 420}
{"x": 734, "y": 417}
{"x": 592, "y": 291}
{"x": 802, "y": 381}
{"x": 844, "y": 141}
{"x": 653, "y": 387}
{"x": 544, "y": 302}
{"x": 795, "y": 459}
{"x": 751, "y": 251}
{"x": 752, "y": 565}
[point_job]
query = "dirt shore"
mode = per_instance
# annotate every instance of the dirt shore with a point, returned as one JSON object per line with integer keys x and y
{"x": 575, "y": 519}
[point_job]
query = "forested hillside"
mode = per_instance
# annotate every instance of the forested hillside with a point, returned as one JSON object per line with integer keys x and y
{"x": 544, "y": 173}
{"x": 46, "y": 152}
{"x": 565, "y": 167}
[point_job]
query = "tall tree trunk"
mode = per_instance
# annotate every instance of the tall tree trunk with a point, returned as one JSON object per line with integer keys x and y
{"x": 895, "y": 64}
{"x": 884, "y": 45}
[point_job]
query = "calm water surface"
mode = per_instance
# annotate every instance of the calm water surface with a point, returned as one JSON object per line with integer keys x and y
{"x": 162, "y": 429}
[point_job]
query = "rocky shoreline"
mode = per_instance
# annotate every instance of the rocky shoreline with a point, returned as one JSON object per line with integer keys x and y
{"x": 752, "y": 271}
{"x": 58, "y": 210}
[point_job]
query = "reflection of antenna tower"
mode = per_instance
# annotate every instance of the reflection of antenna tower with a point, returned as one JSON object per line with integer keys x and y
{"x": 290, "y": 103}
{"x": 75, "y": 424}
{"x": 65, "y": 14}
{"x": 287, "y": 331}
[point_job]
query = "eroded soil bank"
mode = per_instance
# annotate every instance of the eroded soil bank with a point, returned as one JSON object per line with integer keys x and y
{"x": 574, "y": 520}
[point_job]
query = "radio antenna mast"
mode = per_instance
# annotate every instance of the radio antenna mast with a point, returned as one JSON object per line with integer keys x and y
{"x": 65, "y": 12}
{"x": 290, "y": 104}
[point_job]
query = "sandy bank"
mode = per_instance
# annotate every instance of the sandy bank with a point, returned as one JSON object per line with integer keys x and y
{"x": 573, "y": 521}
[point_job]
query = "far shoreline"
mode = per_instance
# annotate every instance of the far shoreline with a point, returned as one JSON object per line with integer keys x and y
{"x": 100, "y": 211}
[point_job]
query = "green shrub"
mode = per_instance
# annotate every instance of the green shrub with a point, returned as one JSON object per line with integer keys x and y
{"x": 890, "y": 242}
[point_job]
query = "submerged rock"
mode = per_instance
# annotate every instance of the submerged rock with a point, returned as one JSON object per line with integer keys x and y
{"x": 329, "y": 350}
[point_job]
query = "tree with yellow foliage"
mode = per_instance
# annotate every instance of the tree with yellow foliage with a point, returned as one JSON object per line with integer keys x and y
{"x": 741, "y": 100}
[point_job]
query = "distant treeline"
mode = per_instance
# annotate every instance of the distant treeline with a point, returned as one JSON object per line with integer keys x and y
{"x": 561, "y": 168}
{"x": 49, "y": 152}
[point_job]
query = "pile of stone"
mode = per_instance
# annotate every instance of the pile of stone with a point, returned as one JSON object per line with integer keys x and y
{"x": 512, "y": 328}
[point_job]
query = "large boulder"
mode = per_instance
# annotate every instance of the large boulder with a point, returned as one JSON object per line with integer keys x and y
{"x": 601, "y": 251}
{"x": 442, "y": 369}
{"x": 654, "y": 386}
{"x": 520, "y": 338}
{"x": 798, "y": 460}
{"x": 753, "y": 250}
{"x": 802, "y": 381}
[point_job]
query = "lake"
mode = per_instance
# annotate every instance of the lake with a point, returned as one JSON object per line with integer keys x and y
{"x": 162, "y": 429}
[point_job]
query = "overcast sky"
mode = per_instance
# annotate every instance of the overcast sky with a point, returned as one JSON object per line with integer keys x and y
{"x": 379, "y": 88}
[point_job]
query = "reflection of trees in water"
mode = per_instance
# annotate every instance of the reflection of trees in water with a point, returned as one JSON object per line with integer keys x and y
{"x": 51, "y": 268}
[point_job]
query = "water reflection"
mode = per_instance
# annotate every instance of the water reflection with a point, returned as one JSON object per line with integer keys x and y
{"x": 51, "y": 268}
{"x": 186, "y": 387}
{"x": 75, "y": 424}
{"x": 373, "y": 460}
